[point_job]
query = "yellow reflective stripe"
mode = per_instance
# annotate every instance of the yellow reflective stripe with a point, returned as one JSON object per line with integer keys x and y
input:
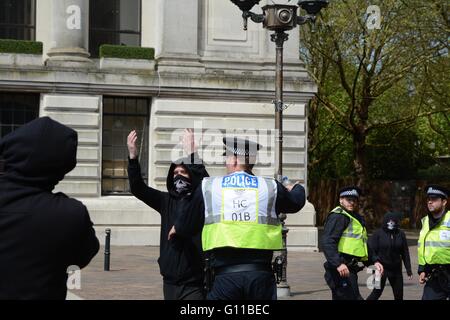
{"x": 241, "y": 235}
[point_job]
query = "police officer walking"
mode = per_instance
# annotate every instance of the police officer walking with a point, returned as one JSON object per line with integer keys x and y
{"x": 241, "y": 228}
{"x": 345, "y": 245}
{"x": 434, "y": 246}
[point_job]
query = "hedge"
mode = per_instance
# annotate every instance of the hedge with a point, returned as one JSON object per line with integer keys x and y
{"x": 20, "y": 46}
{"x": 125, "y": 52}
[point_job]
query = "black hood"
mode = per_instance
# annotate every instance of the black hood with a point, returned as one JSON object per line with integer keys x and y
{"x": 40, "y": 153}
{"x": 391, "y": 216}
{"x": 196, "y": 173}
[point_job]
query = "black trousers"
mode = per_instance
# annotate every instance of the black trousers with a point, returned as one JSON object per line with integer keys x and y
{"x": 183, "y": 292}
{"x": 342, "y": 288}
{"x": 246, "y": 285}
{"x": 396, "y": 281}
{"x": 437, "y": 288}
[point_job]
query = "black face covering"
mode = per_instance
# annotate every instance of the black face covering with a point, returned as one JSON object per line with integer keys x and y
{"x": 182, "y": 185}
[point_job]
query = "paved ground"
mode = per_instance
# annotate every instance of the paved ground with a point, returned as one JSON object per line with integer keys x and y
{"x": 135, "y": 275}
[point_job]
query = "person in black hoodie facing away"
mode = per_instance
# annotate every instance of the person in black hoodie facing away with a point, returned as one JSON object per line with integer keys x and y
{"x": 41, "y": 233}
{"x": 391, "y": 247}
{"x": 181, "y": 261}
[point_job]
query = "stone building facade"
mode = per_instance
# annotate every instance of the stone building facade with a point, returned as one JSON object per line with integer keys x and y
{"x": 208, "y": 73}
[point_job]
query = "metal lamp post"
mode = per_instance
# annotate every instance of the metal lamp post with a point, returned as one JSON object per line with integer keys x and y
{"x": 280, "y": 18}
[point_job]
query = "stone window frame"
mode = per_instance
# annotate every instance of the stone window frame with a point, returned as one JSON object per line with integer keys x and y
{"x": 24, "y": 26}
{"x": 117, "y": 121}
{"x": 95, "y": 48}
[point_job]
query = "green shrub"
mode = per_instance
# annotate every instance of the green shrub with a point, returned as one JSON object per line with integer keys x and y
{"x": 125, "y": 52}
{"x": 20, "y": 46}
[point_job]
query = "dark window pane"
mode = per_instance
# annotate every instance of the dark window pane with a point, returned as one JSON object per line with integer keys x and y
{"x": 108, "y": 105}
{"x": 104, "y": 14}
{"x": 119, "y": 105}
{"x": 116, "y": 126}
{"x": 114, "y": 22}
{"x": 130, "y": 105}
{"x": 16, "y": 109}
{"x": 17, "y": 19}
{"x": 142, "y": 106}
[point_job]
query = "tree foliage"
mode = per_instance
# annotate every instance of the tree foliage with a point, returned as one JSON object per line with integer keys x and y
{"x": 383, "y": 94}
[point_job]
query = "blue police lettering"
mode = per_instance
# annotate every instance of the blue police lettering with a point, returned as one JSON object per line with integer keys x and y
{"x": 240, "y": 181}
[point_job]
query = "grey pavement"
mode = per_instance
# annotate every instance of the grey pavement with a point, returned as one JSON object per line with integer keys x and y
{"x": 135, "y": 275}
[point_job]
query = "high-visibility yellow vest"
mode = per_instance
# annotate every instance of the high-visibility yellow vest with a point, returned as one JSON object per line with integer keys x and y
{"x": 240, "y": 213}
{"x": 354, "y": 238}
{"x": 434, "y": 245}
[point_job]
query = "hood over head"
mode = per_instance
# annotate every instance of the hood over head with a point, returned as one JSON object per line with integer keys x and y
{"x": 40, "y": 153}
{"x": 391, "y": 221}
{"x": 196, "y": 171}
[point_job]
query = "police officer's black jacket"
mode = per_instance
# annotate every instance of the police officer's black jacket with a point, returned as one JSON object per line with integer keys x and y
{"x": 335, "y": 225}
{"x": 193, "y": 220}
{"x": 180, "y": 260}
{"x": 391, "y": 248}
{"x": 41, "y": 233}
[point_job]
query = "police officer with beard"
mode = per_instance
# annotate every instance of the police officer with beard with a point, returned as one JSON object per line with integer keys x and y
{"x": 345, "y": 245}
{"x": 434, "y": 246}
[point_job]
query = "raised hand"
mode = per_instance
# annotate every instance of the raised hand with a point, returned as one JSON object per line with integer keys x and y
{"x": 189, "y": 144}
{"x": 131, "y": 144}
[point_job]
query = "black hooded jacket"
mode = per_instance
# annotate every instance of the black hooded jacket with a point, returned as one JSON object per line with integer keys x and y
{"x": 391, "y": 247}
{"x": 41, "y": 233}
{"x": 180, "y": 259}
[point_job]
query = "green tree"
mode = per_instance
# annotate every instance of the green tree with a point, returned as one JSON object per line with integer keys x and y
{"x": 376, "y": 85}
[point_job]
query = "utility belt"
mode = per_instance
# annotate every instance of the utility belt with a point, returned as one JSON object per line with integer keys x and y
{"x": 354, "y": 265}
{"x": 246, "y": 267}
{"x": 439, "y": 272}
{"x": 211, "y": 273}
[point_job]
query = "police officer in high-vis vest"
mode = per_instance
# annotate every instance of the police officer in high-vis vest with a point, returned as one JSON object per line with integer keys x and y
{"x": 241, "y": 228}
{"x": 345, "y": 246}
{"x": 434, "y": 246}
